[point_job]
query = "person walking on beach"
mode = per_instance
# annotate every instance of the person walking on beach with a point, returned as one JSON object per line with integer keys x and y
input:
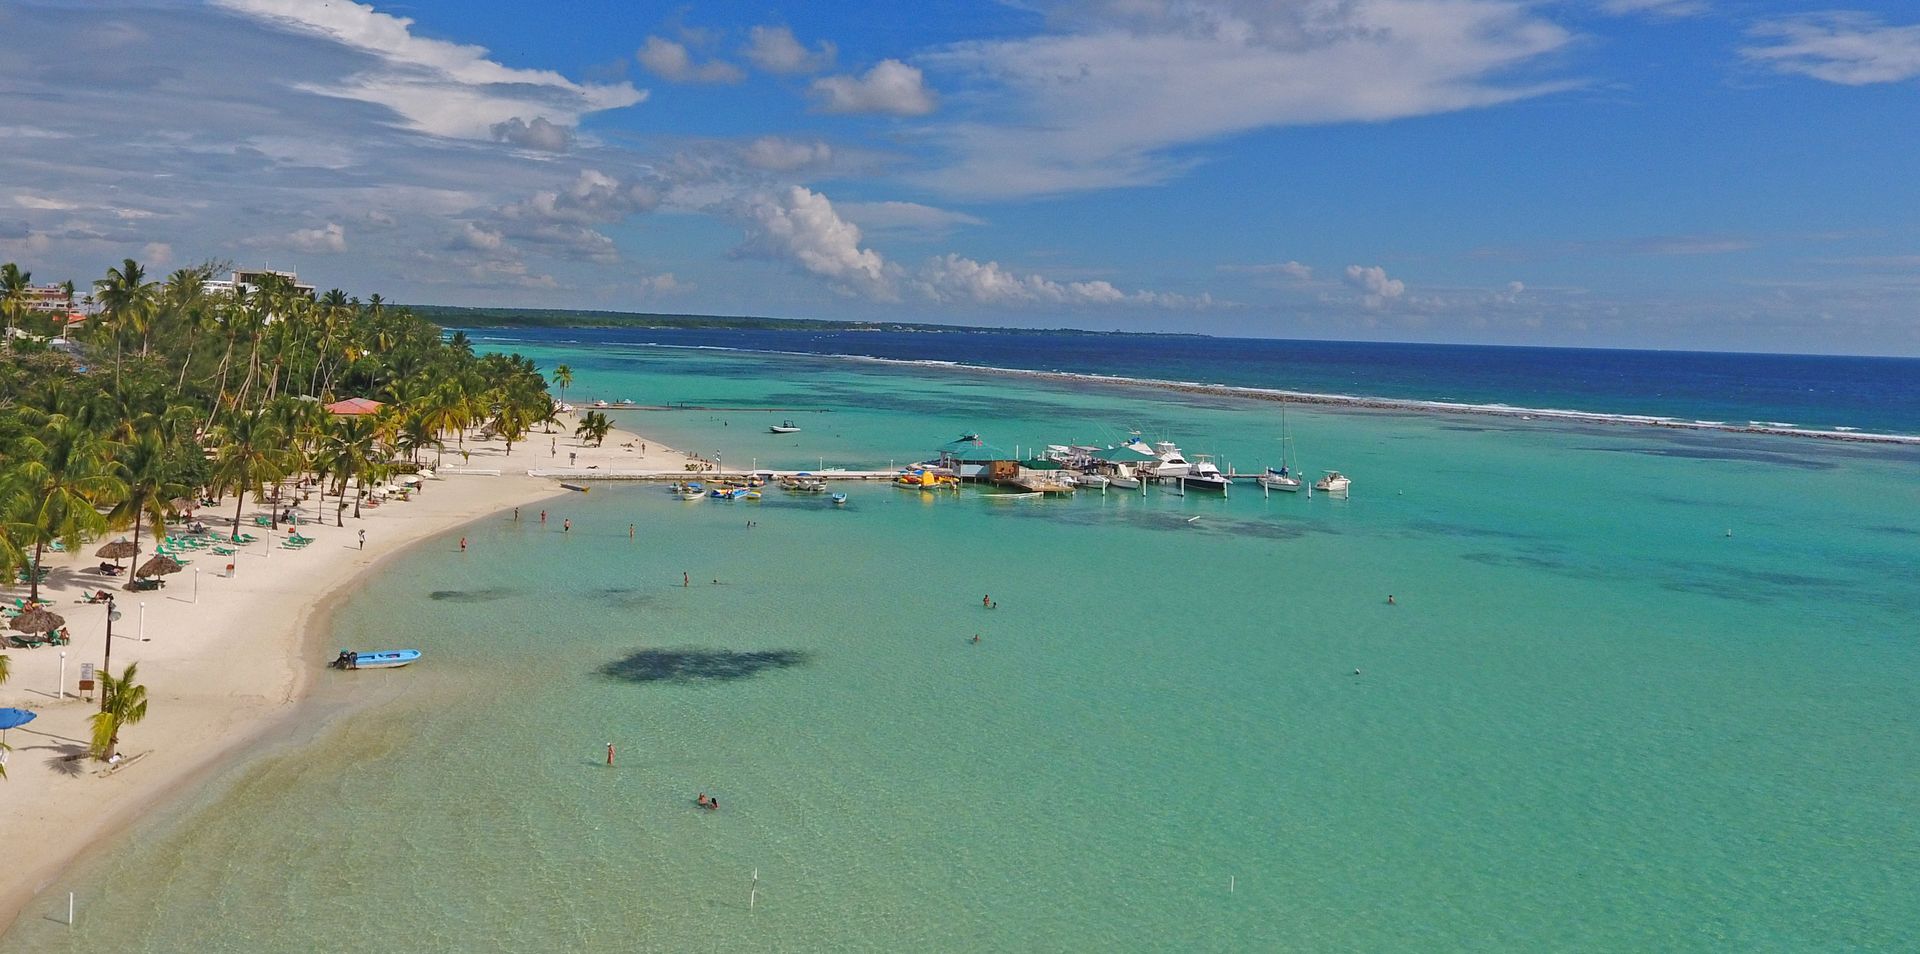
{"x": 573, "y": 458}
{"x": 516, "y": 515}
{"x": 363, "y": 538}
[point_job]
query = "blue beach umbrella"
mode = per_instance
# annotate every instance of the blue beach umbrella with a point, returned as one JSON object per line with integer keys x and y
{"x": 13, "y": 719}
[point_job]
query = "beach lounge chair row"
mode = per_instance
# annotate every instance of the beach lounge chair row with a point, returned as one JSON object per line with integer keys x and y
{"x": 296, "y": 542}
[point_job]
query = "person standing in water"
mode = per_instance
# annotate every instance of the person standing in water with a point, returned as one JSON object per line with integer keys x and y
{"x": 629, "y": 531}
{"x": 566, "y": 526}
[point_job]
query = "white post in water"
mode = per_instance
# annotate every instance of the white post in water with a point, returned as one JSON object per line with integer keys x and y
{"x": 753, "y": 893}
{"x": 1231, "y": 881}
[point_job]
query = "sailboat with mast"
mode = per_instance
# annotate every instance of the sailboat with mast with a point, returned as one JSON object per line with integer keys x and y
{"x": 1284, "y": 479}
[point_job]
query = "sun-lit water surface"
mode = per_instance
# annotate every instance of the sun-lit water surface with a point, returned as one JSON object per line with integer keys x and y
{"x": 1594, "y": 720}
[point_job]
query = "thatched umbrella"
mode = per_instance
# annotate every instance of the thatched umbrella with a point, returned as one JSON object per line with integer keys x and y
{"x": 159, "y": 565}
{"x": 118, "y": 550}
{"x": 38, "y": 620}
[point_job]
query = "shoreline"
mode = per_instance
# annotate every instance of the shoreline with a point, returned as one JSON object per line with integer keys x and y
{"x": 226, "y": 680}
{"x": 1282, "y": 395}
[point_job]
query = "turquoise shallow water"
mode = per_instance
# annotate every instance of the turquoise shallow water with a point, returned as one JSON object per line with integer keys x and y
{"x": 1594, "y": 721}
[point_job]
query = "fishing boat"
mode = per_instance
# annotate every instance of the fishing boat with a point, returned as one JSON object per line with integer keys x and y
{"x": 1202, "y": 474}
{"x": 784, "y": 427}
{"x": 383, "y": 659}
{"x": 839, "y": 500}
{"x": 1333, "y": 482}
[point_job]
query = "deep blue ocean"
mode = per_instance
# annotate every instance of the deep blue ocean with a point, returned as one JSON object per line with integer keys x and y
{"x": 1816, "y": 392}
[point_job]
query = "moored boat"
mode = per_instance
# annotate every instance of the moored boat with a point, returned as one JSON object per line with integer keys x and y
{"x": 1202, "y": 474}
{"x": 784, "y": 427}
{"x": 839, "y": 500}
{"x": 1333, "y": 482}
{"x": 382, "y": 659}
{"x": 1280, "y": 480}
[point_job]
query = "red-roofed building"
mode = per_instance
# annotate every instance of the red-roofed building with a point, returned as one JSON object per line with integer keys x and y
{"x": 354, "y": 406}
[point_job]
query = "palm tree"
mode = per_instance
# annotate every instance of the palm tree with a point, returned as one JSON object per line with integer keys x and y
{"x": 594, "y": 426}
{"x": 123, "y": 702}
{"x": 127, "y": 302}
{"x": 350, "y": 452}
{"x": 248, "y": 457}
{"x": 13, "y": 298}
{"x": 143, "y": 465}
{"x": 563, "y": 377}
{"x": 67, "y": 474}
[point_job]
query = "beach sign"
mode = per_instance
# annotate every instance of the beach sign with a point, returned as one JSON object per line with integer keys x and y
{"x": 86, "y": 677}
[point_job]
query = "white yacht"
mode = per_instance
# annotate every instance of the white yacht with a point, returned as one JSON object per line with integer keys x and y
{"x": 1171, "y": 463}
{"x": 1203, "y": 475}
{"x": 1333, "y": 482}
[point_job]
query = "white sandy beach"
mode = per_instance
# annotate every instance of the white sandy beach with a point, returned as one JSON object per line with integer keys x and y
{"x": 222, "y": 669}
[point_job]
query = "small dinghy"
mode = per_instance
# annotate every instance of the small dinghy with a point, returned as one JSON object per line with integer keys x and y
{"x": 839, "y": 500}
{"x": 383, "y": 659}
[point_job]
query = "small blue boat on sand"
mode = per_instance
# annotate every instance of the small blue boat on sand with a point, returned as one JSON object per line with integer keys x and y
{"x": 384, "y": 659}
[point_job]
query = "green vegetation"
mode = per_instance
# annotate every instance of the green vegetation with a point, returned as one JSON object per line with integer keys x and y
{"x": 173, "y": 396}
{"x": 123, "y": 702}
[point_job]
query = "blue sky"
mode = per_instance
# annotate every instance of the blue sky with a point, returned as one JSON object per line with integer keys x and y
{"x": 1717, "y": 174}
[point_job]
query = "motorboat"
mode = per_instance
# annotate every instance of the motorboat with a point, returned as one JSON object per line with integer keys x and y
{"x": 784, "y": 427}
{"x": 1091, "y": 481}
{"x": 839, "y": 500}
{"x": 1333, "y": 482}
{"x": 383, "y": 659}
{"x": 1203, "y": 475}
{"x": 1126, "y": 481}
{"x": 1281, "y": 480}
{"x": 734, "y": 493}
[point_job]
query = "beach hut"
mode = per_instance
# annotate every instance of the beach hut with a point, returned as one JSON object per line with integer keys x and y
{"x": 353, "y": 406}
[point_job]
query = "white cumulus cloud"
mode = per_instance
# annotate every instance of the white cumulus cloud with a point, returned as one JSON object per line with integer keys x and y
{"x": 800, "y": 225}
{"x": 671, "y": 61}
{"x": 774, "y": 49}
{"x": 954, "y": 278}
{"x": 1853, "y": 49}
{"x": 890, "y": 88}
{"x": 1376, "y": 289}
